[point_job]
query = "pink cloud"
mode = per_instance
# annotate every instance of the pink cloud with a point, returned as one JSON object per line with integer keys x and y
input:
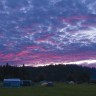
{"x": 71, "y": 19}
{"x": 35, "y": 47}
{"x": 28, "y": 57}
{"x": 22, "y": 53}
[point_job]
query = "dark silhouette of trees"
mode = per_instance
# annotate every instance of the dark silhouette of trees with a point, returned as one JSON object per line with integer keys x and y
{"x": 51, "y": 73}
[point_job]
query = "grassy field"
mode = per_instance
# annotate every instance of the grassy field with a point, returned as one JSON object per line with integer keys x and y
{"x": 59, "y": 89}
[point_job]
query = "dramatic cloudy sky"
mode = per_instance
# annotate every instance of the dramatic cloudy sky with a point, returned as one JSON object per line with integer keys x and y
{"x": 42, "y": 32}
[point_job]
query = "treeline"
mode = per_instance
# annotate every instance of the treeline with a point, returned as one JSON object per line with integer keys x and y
{"x": 50, "y": 73}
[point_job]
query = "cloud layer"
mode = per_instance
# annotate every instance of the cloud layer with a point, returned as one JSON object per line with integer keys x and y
{"x": 43, "y": 32}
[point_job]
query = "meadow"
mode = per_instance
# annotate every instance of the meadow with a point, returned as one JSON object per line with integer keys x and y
{"x": 60, "y": 89}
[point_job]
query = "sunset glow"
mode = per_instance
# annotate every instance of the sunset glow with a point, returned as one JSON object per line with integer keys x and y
{"x": 57, "y": 31}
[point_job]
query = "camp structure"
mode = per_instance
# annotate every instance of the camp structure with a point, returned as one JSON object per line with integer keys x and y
{"x": 11, "y": 82}
{"x": 48, "y": 84}
{"x": 44, "y": 84}
{"x": 92, "y": 80}
{"x": 71, "y": 82}
{"x": 26, "y": 83}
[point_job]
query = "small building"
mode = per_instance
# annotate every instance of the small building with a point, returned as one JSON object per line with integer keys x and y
{"x": 11, "y": 82}
{"x": 26, "y": 83}
{"x": 92, "y": 80}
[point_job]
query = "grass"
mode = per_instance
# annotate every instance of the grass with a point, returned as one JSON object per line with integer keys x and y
{"x": 60, "y": 89}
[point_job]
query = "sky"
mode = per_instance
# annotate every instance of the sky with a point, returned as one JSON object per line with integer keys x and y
{"x": 44, "y": 32}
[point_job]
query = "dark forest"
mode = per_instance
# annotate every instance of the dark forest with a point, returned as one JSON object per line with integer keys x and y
{"x": 50, "y": 73}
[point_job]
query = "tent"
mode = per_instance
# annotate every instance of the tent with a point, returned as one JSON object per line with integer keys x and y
{"x": 48, "y": 84}
{"x": 44, "y": 84}
{"x": 71, "y": 82}
{"x": 11, "y": 82}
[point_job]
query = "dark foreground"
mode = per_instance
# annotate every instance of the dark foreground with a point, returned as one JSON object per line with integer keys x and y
{"x": 60, "y": 89}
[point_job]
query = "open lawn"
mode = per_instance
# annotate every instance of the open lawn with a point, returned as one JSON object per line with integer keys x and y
{"x": 59, "y": 89}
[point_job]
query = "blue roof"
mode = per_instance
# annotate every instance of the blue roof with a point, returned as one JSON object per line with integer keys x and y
{"x": 13, "y": 79}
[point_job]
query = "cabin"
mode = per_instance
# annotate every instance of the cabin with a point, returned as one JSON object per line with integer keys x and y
{"x": 11, "y": 82}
